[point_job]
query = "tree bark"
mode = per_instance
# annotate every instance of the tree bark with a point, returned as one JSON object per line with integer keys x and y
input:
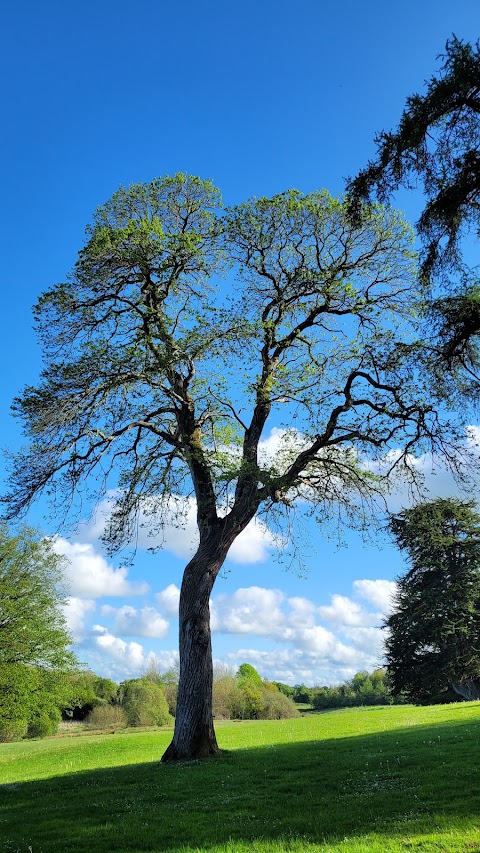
{"x": 194, "y": 735}
{"x": 469, "y": 690}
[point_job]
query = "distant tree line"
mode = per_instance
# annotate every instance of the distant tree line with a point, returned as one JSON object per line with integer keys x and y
{"x": 365, "y": 688}
{"x": 36, "y": 701}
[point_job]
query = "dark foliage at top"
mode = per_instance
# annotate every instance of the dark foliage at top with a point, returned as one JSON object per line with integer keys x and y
{"x": 437, "y": 143}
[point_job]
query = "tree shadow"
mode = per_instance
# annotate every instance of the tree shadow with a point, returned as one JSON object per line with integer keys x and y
{"x": 403, "y": 781}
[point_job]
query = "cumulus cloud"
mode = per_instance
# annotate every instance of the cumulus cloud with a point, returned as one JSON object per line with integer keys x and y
{"x": 131, "y": 654}
{"x": 88, "y": 575}
{"x": 130, "y": 622}
{"x": 294, "y": 666}
{"x": 320, "y": 642}
{"x": 179, "y": 535}
{"x": 302, "y": 612}
{"x": 366, "y": 639}
{"x": 121, "y": 659}
{"x": 254, "y": 544}
{"x": 354, "y": 640}
{"x": 344, "y": 611}
{"x": 76, "y": 610}
{"x": 168, "y": 599}
{"x": 254, "y": 610}
{"x": 306, "y": 650}
{"x": 280, "y": 447}
{"x": 436, "y": 478}
{"x": 268, "y": 612}
{"x": 379, "y": 593}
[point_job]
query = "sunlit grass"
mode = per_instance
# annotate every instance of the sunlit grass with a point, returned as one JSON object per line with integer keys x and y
{"x": 380, "y": 779}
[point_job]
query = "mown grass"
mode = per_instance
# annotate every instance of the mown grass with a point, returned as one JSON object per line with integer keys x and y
{"x": 379, "y": 779}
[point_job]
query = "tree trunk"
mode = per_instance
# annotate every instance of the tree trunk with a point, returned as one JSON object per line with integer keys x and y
{"x": 194, "y": 735}
{"x": 469, "y": 690}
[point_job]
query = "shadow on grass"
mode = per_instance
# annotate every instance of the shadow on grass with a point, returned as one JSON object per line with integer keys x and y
{"x": 404, "y": 780}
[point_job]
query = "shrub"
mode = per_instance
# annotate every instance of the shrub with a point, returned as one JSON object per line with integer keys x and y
{"x": 303, "y": 694}
{"x": 105, "y": 688}
{"x": 44, "y": 723}
{"x": 144, "y": 703}
{"x": 170, "y": 691}
{"x": 84, "y": 691}
{"x": 277, "y": 706}
{"x": 106, "y": 717}
{"x": 226, "y": 697}
{"x": 29, "y": 701}
{"x": 248, "y": 701}
{"x": 243, "y": 699}
{"x": 11, "y": 730}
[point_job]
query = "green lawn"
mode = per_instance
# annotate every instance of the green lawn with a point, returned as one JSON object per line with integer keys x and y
{"x": 350, "y": 781}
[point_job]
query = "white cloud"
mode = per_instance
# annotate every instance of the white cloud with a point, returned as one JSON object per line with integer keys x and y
{"x": 280, "y": 447}
{"x": 76, "y": 610}
{"x": 168, "y": 599}
{"x": 88, "y": 575}
{"x": 306, "y": 650}
{"x": 179, "y": 534}
{"x": 302, "y": 612}
{"x": 344, "y": 611}
{"x": 366, "y": 639}
{"x": 294, "y": 666}
{"x": 436, "y": 479}
{"x": 322, "y": 643}
{"x": 130, "y": 622}
{"x": 254, "y": 544}
{"x": 120, "y": 659}
{"x": 379, "y": 593}
{"x": 354, "y": 641}
{"x": 254, "y": 610}
{"x": 130, "y": 654}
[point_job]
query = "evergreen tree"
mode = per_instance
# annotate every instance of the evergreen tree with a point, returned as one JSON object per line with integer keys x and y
{"x": 437, "y": 144}
{"x": 433, "y": 643}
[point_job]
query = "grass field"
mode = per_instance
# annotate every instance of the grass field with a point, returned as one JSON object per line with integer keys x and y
{"x": 381, "y": 780}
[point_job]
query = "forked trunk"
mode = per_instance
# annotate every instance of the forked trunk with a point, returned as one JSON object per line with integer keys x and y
{"x": 194, "y": 735}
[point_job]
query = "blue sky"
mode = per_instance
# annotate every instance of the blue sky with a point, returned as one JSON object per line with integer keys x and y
{"x": 259, "y": 97}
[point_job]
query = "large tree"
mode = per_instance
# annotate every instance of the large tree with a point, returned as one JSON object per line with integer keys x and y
{"x": 34, "y": 640}
{"x": 436, "y": 146}
{"x": 433, "y": 640}
{"x": 162, "y": 378}
{"x": 33, "y": 630}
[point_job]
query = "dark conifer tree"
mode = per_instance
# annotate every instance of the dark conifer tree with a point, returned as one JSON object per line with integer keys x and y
{"x": 436, "y": 146}
{"x": 433, "y": 644}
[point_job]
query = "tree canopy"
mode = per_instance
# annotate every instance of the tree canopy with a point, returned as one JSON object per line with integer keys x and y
{"x": 33, "y": 630}
{"x": 34, "y": 640}
{"x": 164, "y": 381}
{"x": 247, "y": 672}
{"x": 433, "y": 634}
{"x": 437, "y": 144}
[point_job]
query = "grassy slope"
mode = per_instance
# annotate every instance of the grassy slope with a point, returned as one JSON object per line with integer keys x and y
{"x": 379, "y": 779}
